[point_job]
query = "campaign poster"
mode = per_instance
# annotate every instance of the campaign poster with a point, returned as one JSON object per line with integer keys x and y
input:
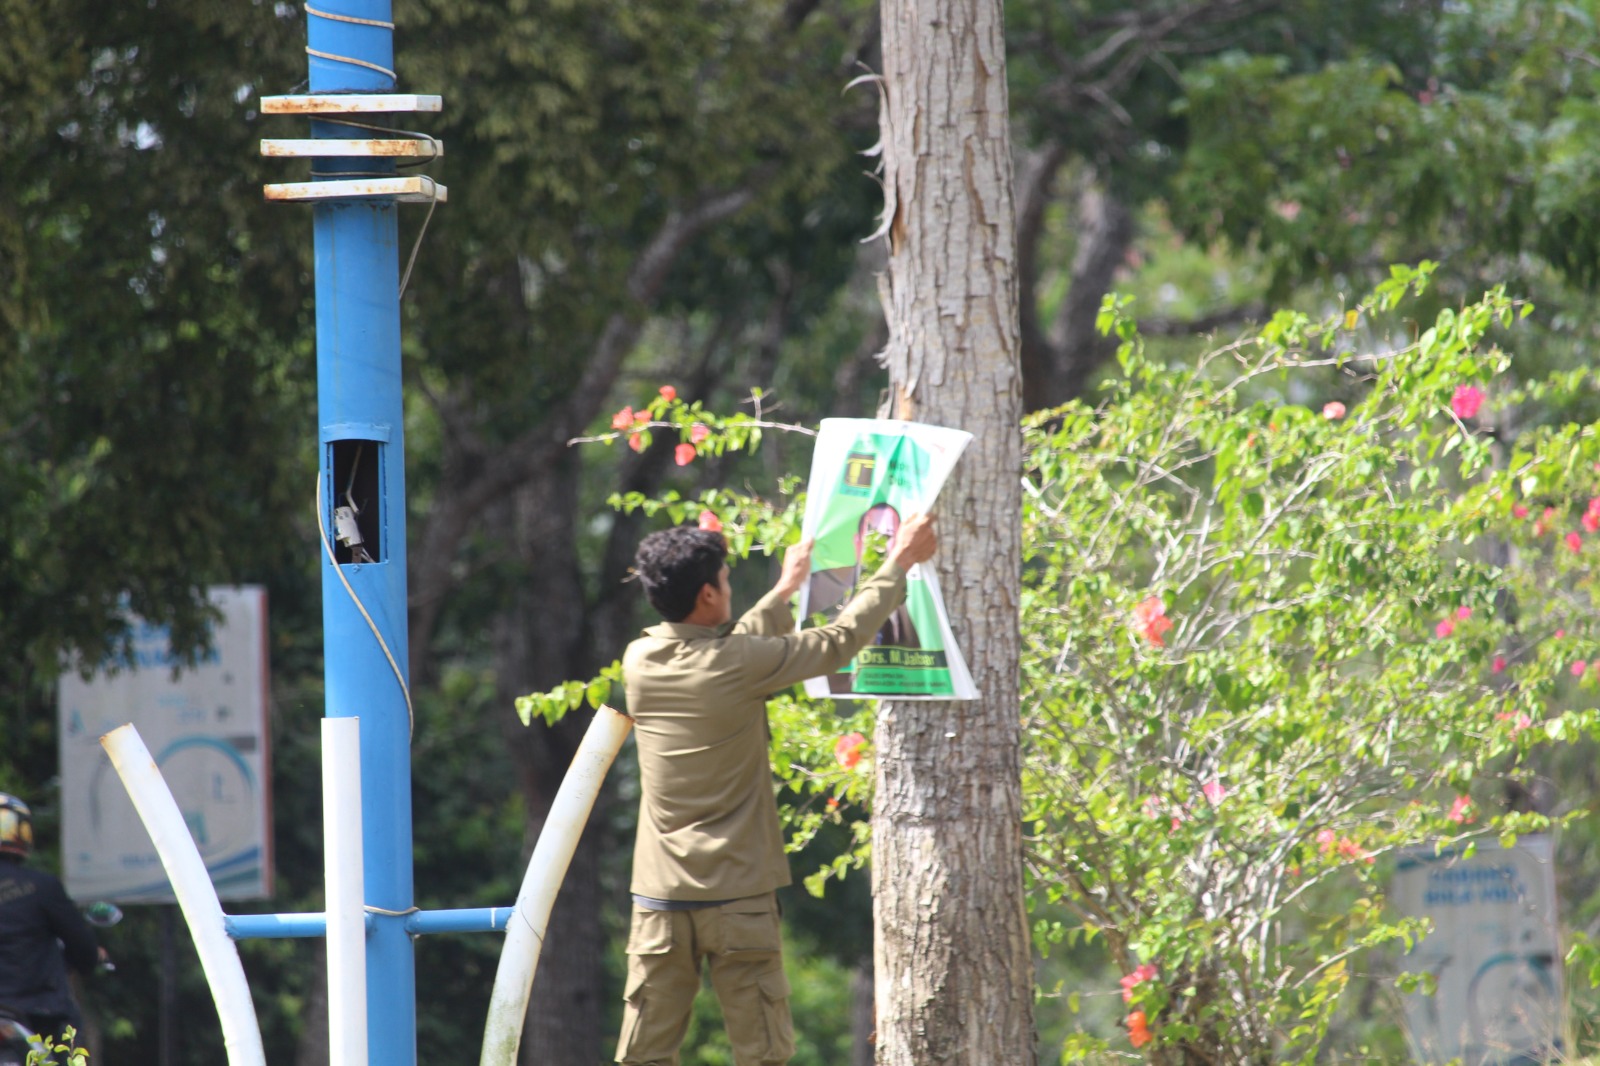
{"x": 1494, "y": 952}
{"x": 206, "y": 728}
{"x": 867, "y": 476}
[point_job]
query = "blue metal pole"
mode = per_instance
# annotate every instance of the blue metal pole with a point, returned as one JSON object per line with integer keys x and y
{"x": 359, "y": 413}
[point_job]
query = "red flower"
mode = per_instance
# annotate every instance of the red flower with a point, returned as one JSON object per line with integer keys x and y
{"x": 684, "y": 454}
{"x": 1591, "y": 521}
{"x": 1138, "y": 1029}
{"x": 1466, "y": 401}
{"x": 710, "y": 522}
{"x": 668, "y": 393}
{"x": 833, "y": 803}
{"x": 622, "y": 419}
{"x": 1574, "y": 541}
{"x": 1458, "y": 811}
{"x": 1444, "y": 628}
{"x": 1499, "y": 666}
{"x": 1150, "y": 618}
{"x": 847, "y": 749}
{"x": 699, "y": 432}
{"x": 636, "y": 441}
{"x": 1519, "y": 510}
{"x": 1333, "y": 410}
{"x": 641, "y": 416}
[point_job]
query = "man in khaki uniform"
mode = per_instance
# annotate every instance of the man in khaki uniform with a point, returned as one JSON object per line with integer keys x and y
{"x": 709, "y": 852}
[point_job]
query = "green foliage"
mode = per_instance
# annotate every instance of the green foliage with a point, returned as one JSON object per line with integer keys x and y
{"x": 1268, "y": 643}
{"x": 63, "y": 1052}
{"x": 1484, "y": 140}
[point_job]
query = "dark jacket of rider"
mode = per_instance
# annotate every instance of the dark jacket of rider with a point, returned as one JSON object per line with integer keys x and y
{"x": 41, "y": 933}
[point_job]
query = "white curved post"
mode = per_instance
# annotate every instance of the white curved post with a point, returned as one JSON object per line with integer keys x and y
{"x": 513, "y": 981}
{"x": 219, "y": 956}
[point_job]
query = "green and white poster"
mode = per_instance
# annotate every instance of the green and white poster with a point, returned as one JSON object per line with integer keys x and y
{"x": 866, "y": 476}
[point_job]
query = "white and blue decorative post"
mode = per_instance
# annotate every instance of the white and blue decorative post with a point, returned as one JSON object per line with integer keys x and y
{"x": 355, "y": 190}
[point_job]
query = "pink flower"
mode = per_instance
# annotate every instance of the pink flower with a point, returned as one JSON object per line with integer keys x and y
{"x": 684, "y": 454}
{"x": 1544, "y": 522}
{"x": 622, "y": 419}
{"x": 710, "y": 522}
{"x": 1458, "y": 811}
{"x": 1325, "y": 840}
{"x": 1499, "y": 666}
{"x": 1351, "y": 850}
{"x": 1333, "y": 410}
{"x": 1519, "y": 721}
{"x": 1463, "y": 613}
{"x": 1590, "y": 521}
{"x": 1579, "y": 667}
{"x": 1519, "y": 510}
{"x": 636, "y": 441}
{"x": 1213, "y": 791}
{"x": 1466, "y": 401}
{"x": 641, "y": 416}
{"x": 1150, "y": 618}
{"x": 668, "y": 393}
{"x": 1444, "y": 628}
{"x": 847, "y": 749}
{"x": 1560, "y": 633}
{"x": 1574, "y": 541}
{"x": 699, "y": 432}
{"x": 1141, "y": 973}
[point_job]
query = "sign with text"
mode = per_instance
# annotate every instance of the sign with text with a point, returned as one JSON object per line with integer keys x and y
{"x": 1494, "y": 952}
{"x": 867, "y": 475}
{"x": 206, "y": 727}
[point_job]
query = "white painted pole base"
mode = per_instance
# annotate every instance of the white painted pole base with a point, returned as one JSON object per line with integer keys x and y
{"x": 513, "y": 981}
{"x": 344, "y": 888}
{"x": 219, "y": 956}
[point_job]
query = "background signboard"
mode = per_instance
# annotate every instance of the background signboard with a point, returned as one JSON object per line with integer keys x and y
{"x": 206, "y": 727}
{"x": 1494, "y": 950}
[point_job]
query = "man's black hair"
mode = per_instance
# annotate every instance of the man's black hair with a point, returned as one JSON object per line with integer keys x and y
{"x": 674, "y": 564}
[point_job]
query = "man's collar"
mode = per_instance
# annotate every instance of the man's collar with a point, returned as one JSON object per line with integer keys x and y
{"x": 685, "y": 631}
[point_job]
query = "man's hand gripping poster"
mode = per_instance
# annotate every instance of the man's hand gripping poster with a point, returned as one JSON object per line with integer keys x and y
{"x": 866, "y": 476}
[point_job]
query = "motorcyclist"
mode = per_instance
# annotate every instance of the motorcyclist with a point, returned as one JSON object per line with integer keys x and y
{"x": 41, "y": 932}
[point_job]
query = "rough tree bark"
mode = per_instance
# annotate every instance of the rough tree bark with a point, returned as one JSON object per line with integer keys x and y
{"x": 953, "y": 965}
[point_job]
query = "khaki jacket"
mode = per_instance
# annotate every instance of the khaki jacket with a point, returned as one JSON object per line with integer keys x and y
{"x": 708, "y": 823}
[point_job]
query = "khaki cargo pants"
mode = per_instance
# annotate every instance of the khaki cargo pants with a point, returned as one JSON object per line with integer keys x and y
{"x": 665, "y": 952}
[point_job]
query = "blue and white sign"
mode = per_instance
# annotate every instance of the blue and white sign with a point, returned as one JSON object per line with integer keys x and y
{"x": 206, "y": 727}
{"x": 1494, "y": 951}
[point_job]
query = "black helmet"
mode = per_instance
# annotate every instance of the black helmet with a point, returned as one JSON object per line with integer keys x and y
{"x": 16, "y": 827}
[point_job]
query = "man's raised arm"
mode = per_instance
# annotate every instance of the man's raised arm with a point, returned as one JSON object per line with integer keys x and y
{"x": 777, "y": 663}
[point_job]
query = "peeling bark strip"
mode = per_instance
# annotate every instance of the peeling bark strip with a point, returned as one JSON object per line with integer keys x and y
{"x": 953, "y": 965}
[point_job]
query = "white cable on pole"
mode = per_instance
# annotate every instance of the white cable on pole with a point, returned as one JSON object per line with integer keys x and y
{"x": 219, "y": 956}
{"x": 345, "y": 892}
{"x": 513, "y": 981}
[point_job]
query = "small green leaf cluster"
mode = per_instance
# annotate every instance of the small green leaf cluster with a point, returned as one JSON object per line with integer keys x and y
{"x": 1286, "y": 611}
{"x": 62, "y": 1052}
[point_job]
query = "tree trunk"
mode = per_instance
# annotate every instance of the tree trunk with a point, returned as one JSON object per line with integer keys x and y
{"x": 537, "y": 642}
{"x": 953, "y": 965}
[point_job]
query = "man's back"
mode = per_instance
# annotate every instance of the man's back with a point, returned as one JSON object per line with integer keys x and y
{"x": 36, "y": 913}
